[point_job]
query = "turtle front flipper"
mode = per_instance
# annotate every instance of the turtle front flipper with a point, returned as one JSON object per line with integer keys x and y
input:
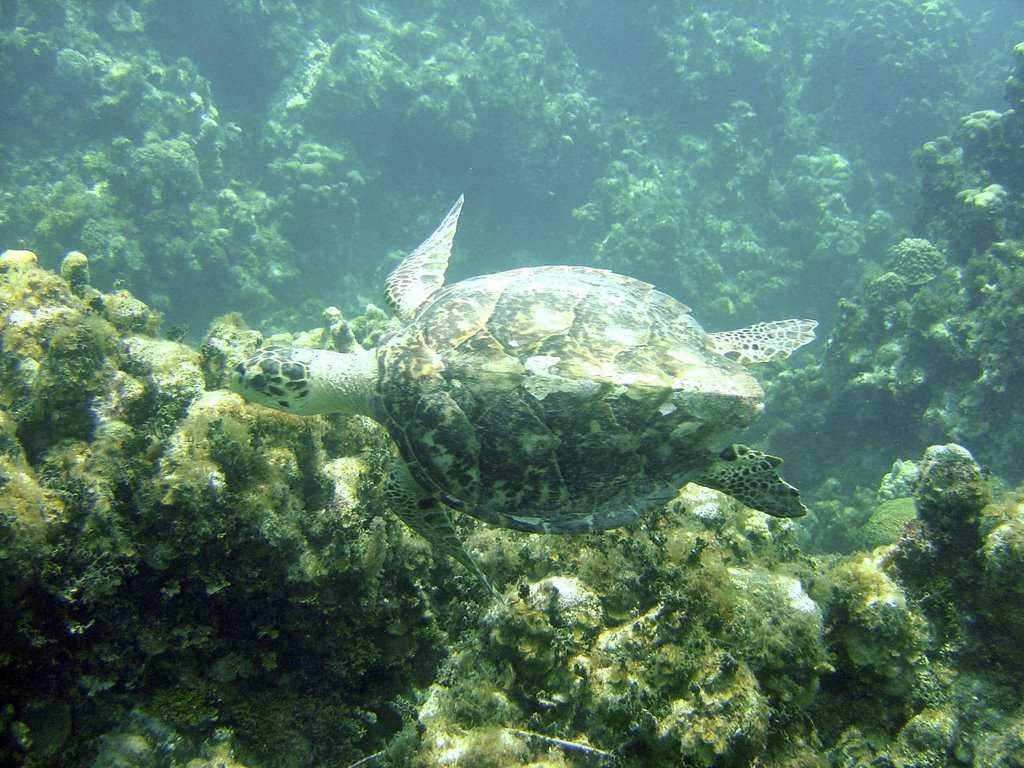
{"x": 421, "y": 273}
{"x": 749, "y": 476}
{"x": 428, "y": 517}
{"x": 763, "y": 342}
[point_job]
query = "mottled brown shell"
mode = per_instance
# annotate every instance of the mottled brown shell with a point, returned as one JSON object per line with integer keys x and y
{"x": 559, "y": 399}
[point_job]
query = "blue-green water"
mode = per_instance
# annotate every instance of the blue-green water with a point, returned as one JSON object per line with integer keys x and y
{"x": 857, "y": 163}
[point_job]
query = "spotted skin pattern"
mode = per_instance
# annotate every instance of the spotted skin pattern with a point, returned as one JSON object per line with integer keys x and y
{"x": 746, "y": 473}
{"x": 764, "y": 342}
{"x": 277, "y": 377}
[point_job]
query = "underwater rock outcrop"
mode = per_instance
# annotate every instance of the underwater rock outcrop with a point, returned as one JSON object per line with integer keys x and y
{"x": 926, "y": 350}
{"x": 672, "y": 643}
{"x": 704, "y": 638}
{"x": 175, "y": 563}
{"x": 924, "y": 644}
{"x": 188, "y": 577}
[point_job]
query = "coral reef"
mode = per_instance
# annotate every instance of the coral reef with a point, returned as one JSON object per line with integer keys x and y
{"x": 923, "y": 352}
{"x": 194, "y": 580}
{"x": 243, "y": 155}
{"x": 174, "y": 560}
{"x": 188, "y": 580}
{"x": 936, "y": 676}
{"x": 672, "y": 644}
{"x": 730, "y": 648}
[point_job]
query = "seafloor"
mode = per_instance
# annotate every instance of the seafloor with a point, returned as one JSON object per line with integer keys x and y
{"x": 191, "y": 579}
{"x": 187, "y": 579}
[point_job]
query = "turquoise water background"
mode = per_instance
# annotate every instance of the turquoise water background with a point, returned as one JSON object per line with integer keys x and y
{"x": 859, "y": 163}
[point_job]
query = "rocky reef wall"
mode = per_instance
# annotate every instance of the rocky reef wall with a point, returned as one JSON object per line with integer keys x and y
{"x": 258, "y": 156}
{"x": 189, "y": 579}
{"x": 925, "y": 350}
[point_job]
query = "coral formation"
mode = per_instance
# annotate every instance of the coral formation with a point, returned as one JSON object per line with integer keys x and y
{"x": 885, "y": 525}
{"x": 170, "y": 555}
{"x": 707, "y": 665}
{"x": 237, "y": 152}
{"x": 923, "y": 353}
{"x": 187, "y": 580}
{"x": 916, "y": 260}
{"x": 198, "y": 579}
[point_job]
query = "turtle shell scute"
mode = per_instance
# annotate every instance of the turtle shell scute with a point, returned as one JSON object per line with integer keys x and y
{"x": 559, "y": 399}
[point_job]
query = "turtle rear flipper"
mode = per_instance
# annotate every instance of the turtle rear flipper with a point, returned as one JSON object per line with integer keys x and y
{"x": 749, "y": 476}
{"x": 763, "y": 342}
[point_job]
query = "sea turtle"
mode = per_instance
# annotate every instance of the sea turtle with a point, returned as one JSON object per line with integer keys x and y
{"x": 549, "y": 399}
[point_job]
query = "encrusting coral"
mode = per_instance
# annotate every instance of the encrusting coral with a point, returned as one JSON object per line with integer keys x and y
{"x": 171, "y": 556}
{"x": 196, "y": 577}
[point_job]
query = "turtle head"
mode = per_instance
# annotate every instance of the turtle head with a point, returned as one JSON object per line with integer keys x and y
{"x": 308, "y": 381}
{"x": 749, "y": 476}
{"x": 277, "y": 377}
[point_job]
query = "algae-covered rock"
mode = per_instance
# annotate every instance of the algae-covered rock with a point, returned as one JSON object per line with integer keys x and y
{"x": 900, "y": 481}
{"x": 599, "y": 661}
{"x": 58, "y": 354}
{"x": 171, "y": 372}
{"x": 880, "y": 632}
{"x": 1002, "y": 747}
{"x": 228, "y": 341}
{"x": 130, "y": 315}
{"x": 950, "y": 497}
{"x": 74, "y": 269}
{"x": 226, "y": 564}
{"x": 725, "y": 717}
{"x": 545, "y": 622}
{"x": 999, "y": 587}
{"x": 926, "y": 740}
{"x": 1003, "y": 557}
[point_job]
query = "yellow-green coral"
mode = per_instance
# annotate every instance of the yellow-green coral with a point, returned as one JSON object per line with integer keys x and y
{"x": 916, "y": 260}
{"x": 886, "y": 523}
{"x": 984, "y": 197}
